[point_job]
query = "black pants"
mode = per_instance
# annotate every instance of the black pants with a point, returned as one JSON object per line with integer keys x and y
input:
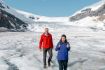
{"x": 63, "y": 64}
{"x": 49, "y": 50}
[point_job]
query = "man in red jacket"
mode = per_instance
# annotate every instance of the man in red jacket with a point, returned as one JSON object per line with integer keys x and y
{"x": 47, "y": 44}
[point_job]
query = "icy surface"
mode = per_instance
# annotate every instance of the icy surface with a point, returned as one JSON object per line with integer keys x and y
{"x": 19, "y": 51}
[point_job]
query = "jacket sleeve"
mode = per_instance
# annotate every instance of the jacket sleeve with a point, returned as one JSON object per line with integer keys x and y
{"x": 41, "y": 42}
{"x": 68, "y": 46}
{"x": 57, "y": 47}
{"x": 52, "y": 41}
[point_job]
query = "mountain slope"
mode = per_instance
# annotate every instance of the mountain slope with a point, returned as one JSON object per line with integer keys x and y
{"x": 92, "y": 16}
{"x": 30, "y": 22}
{"x": 9, "y": 21}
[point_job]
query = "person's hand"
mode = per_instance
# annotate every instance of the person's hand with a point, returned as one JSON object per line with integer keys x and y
{"x": 68, "y": 45}
{"x": 40, "y": 49}
{"x": 59, "y": 46}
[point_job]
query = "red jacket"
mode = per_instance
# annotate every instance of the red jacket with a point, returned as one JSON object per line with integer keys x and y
{"x": 46, "y": 41}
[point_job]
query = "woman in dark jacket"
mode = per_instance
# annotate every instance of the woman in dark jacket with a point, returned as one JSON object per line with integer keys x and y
{"x": 62, "y": 47}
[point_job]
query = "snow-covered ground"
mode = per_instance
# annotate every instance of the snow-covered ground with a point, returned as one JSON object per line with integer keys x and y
{"x": 19, "y": 50}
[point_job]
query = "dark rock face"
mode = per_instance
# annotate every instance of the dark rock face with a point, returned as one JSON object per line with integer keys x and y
{"x": 11, "y": 22}
{"x": 88, "y": 12}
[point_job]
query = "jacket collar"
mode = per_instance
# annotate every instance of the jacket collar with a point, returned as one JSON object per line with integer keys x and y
{"x": 45, "y": 34}
{"x": 62, "y": 42}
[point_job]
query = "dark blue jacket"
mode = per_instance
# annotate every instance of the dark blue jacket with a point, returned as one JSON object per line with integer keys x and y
{"x": 62, "y": 49}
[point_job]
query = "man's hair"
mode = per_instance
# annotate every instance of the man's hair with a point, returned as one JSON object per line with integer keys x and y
{"x": 46, "y": 28}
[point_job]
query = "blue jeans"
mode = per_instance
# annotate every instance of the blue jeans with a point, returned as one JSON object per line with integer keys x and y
{"x": 63, "y": 64}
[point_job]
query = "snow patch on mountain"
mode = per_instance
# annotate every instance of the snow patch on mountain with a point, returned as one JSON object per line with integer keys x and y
{"x": 91, "y": 16}
{"x": 93, "y": 7}
{"x": 1, "y": 1}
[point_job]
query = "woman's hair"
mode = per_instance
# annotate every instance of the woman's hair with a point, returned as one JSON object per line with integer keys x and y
{"x": 65, "y": 38}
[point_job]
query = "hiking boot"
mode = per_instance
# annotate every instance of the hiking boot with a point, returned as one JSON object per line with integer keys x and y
{"x": 44, "y": 67}
{"x": 49, "y": 64}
